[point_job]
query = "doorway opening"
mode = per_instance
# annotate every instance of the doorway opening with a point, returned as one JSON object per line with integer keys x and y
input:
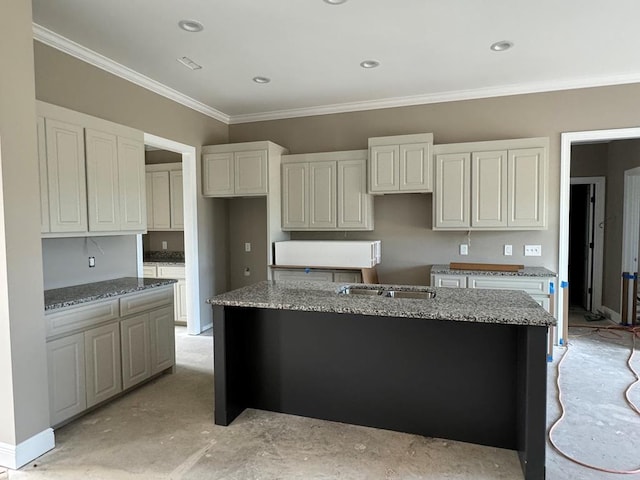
{"x": 567, "y": 140}
{"x": 190, "y": 195}
{"x": 586, "y": 241}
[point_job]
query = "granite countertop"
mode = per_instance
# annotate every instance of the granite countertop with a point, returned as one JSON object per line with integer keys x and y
{"x": 526, "y": 272}
{"x": 164, "y": 257}
{"x": 173, "y": 264}
{"x": 511, "y": 307}
{"x": 88, "y": 292}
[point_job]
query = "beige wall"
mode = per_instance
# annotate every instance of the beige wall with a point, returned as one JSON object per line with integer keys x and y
{"x": 24, "y": 405}
{"x": 535, "y": 115}
{"x": 153, "y": 157}
{"x": 152, "y": 241}
{"x": 247, "y": 223}
{"x": 69, "y": 82}
{"x": 589, "y": 160}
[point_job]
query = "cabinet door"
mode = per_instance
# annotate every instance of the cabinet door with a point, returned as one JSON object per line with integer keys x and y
{"x": 44, "y": 188}
{"x": 149, "y": 197}
{"x": 355, "y": 206}
{"x": 452, "y": 196}
{"x": 161, "y": 327}
{"x": 160, "y": 201}
{"x": 102, "y": 360}
{"x": 102, "y": 181}
{"x": 180, "y": 299}
{"x": 250, "y": 176}
{"x": 177, "y": 202}
{"x": 489, "y": 189}
{"x": 527, "y": 203}
{"x": 416, "y": 168}
{"x": 133, "y": 216}
{"x": 322, "y": 195}
{"x": 218, "y": 174}
{"x": 66, "y": 177}
{"x": 66, "y": 366}
{"x": 295, "y": 196}
{"x": 451, "y": 281}
{"x": 136, "y": 350}
{"x": 149, "y": 271}
{"x": 384, "y": 168}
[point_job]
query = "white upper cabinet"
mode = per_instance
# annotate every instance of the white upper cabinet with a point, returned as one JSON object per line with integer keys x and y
{"x": 326, "y": 191}
{"x": 235, "y": 170}
{"x": 165, "y": 205}
{"x": 131, "y": 176}
{"x": 66, "y": 177}
{"x": 451, "y": 197}
{"x": 504, "y": 188}
{"x": 91, "y": 175}
{"x": 401, "y": 164}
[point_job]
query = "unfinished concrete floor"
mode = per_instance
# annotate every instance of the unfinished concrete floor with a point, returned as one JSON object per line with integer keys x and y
{"x": 165, "y": 430}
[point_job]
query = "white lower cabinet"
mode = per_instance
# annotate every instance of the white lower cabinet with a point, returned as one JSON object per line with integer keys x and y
{"x": 152, "y": 270}
{"x": 66, "y": 365}
{"x": 98, "y": 355}
{"x": 300, "y": 274}
{"x": 537, "y": 287}
{"x": 180, "y": 293}
{"x": 136, "y": 350}
{"x": 103, "y": 373}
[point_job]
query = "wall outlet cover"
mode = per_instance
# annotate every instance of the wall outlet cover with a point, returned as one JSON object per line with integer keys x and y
{"x": 164, "y": 244}
{"x": 247, "y": 272}
{"x": 92, "y": 262}
{"x": 508, "y": 249}
{"x": 464, "y": 249}
{"x": 533, "y": 250}
{"x": 247, "y": 246}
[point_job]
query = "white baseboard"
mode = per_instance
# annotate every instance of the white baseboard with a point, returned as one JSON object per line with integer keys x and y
{"x": 615, "y": 316}
{"x": 16, "y": 456}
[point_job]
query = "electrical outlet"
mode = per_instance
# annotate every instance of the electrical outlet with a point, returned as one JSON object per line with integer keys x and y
{"x": 247, "y": 272}
{"x": 464, "y": 249}
{"x": 164, "y": 244}
{"x": 92, "y": 262}
{"x": 247, "y": 247}
{"x": 508, "y": 249}
{"x": 533, "y": 250}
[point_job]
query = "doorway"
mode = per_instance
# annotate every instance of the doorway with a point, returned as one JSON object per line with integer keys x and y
{"x": 568, "y": 139}
{"x": 195, "y": 324}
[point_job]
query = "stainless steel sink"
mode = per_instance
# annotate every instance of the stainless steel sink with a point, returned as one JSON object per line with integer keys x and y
{"x": 381, "y": 292}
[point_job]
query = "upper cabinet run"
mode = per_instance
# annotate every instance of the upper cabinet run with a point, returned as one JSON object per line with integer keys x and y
{"x": 401, "y": 164}
{"x": 91, "y": 175}
{"x": 497, "y": 185}
{"x": 237, "y": 170}
{"x": 326, "y": 191}
{"x": 165, "y": 209}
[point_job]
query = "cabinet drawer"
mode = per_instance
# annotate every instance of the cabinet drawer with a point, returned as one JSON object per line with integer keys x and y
{"x": 81, "y": 316}
{"x": 347, "y": 277}
{"x": 149, "y": 271}
{"x": 451, "y": 281}
{"x": 301, "y": 275}
{"x": 531, "y": 285}
{"x": 170, "y": 272}
{"x": 140, "y": 302}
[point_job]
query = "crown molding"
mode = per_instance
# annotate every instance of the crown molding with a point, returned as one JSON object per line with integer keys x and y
{"x": 76, "y": 50}
{"x": 454, "y": 96}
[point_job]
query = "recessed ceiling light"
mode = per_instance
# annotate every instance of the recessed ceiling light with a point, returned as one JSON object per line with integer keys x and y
{"x": 261, "y": 79}
{"x": 190, "y": 26}
{"x": 187, "y": 62}
{"x": 501, "y": 46}
{"x": 335, "y": 2}
{"x": 369, "y": 64}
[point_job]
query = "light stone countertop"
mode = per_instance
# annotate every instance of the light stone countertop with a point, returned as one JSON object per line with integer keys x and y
{"x": 512, "y": 307}
{"x": 526, "y": 272}
{"x": 89, "y": 292}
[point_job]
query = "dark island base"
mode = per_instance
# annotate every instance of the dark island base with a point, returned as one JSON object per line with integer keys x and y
{"x": 475, "y": 382}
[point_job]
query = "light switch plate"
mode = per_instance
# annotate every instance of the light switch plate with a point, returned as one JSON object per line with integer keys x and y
{"x": 508, "y": 249}
{"x": 533, "y": 250}
{"x": 464, "y": 249}
{"x": 164, "y": 244}
{"x": 247, "y": 247}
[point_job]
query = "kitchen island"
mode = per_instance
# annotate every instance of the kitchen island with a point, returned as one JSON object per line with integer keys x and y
{"x": 467, "y": 365}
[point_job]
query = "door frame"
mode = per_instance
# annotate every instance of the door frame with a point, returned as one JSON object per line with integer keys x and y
{"x": 630, "y": 227}
{"x": 598, "y": 237}
{"x": 190, "y": 199}
{"x": 566, "y": 140}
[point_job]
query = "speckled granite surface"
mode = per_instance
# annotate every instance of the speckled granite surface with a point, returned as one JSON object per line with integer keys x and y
{"x": 163, "y": 256}
{"x": 526, "y": 272}
{"x": 88, "y": 292}
{"x": 458, "y": 304}
{"x": 160, "y": 264}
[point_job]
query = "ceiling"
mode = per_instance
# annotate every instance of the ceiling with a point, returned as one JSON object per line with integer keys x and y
{"x": 429, "y": 50}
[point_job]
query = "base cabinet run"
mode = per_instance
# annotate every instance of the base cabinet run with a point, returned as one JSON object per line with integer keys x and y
{"x": 89, "y": 364}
